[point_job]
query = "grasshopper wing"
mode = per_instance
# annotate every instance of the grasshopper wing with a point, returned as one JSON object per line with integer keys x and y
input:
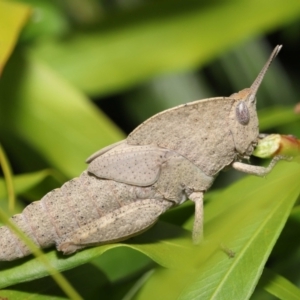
{"x": 135, "y": 165}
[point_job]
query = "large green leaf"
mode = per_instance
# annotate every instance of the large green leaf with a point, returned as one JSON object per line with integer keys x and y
{"x": 156, "y": 38}
{"x": 51, "y": 116}
{"x": 163, "y": 243}
{"x": 246, "y": 219}
{"x": 284, "y": 260}
{"x": 87, "y": 279}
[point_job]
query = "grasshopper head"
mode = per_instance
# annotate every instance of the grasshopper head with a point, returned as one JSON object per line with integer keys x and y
{"x": 243, "y": 116}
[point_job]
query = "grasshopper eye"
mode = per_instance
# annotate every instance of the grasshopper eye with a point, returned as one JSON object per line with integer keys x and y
{"x": 242, "y": 113}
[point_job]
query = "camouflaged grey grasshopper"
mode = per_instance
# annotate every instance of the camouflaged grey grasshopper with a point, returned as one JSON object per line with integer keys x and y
{"x": 172, "y": 157}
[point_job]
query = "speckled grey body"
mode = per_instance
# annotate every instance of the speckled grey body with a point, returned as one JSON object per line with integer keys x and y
{"x": 171, "y": 157}
{"x": 89, "y": 211}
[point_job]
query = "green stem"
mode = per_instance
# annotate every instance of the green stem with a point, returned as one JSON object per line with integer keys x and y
{"x": 8, "y": 176}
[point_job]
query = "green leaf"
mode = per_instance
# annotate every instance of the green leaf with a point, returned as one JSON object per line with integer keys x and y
{"x": 247, "y": 219}
{"x": 163, "y": 243}
{"x": 276, "y": 116}
{"x": 87, "y": 279}
{"x": 13, "y": 17}
{"x": 279, "y": 286}
{"x": 50, "y": 115}
{"x": 132, "y": 47}
{"x": 285, "y": 260}
{"x": 132, "y": 261}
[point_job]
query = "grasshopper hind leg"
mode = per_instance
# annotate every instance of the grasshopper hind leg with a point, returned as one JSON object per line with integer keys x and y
{"x": 118, "y": 225}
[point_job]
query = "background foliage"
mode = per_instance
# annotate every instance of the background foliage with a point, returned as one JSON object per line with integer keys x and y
{"x": 80, "y": 75}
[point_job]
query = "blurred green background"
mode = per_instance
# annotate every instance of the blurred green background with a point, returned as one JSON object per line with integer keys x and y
{"x": 79, "y": 75}
{"x": 132, "y": 59}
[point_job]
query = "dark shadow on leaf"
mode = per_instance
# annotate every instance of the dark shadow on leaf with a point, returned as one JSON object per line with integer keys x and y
{"x": 4, "y": 265}
{"x": 160, "y": 231}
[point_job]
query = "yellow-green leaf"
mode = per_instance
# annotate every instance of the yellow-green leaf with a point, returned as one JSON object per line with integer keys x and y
{"x": 247, "y": 219}
{"x": 13, "y": 17}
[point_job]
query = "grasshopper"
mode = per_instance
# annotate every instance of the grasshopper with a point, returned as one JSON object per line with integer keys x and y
{"x": 173, "y": 156}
